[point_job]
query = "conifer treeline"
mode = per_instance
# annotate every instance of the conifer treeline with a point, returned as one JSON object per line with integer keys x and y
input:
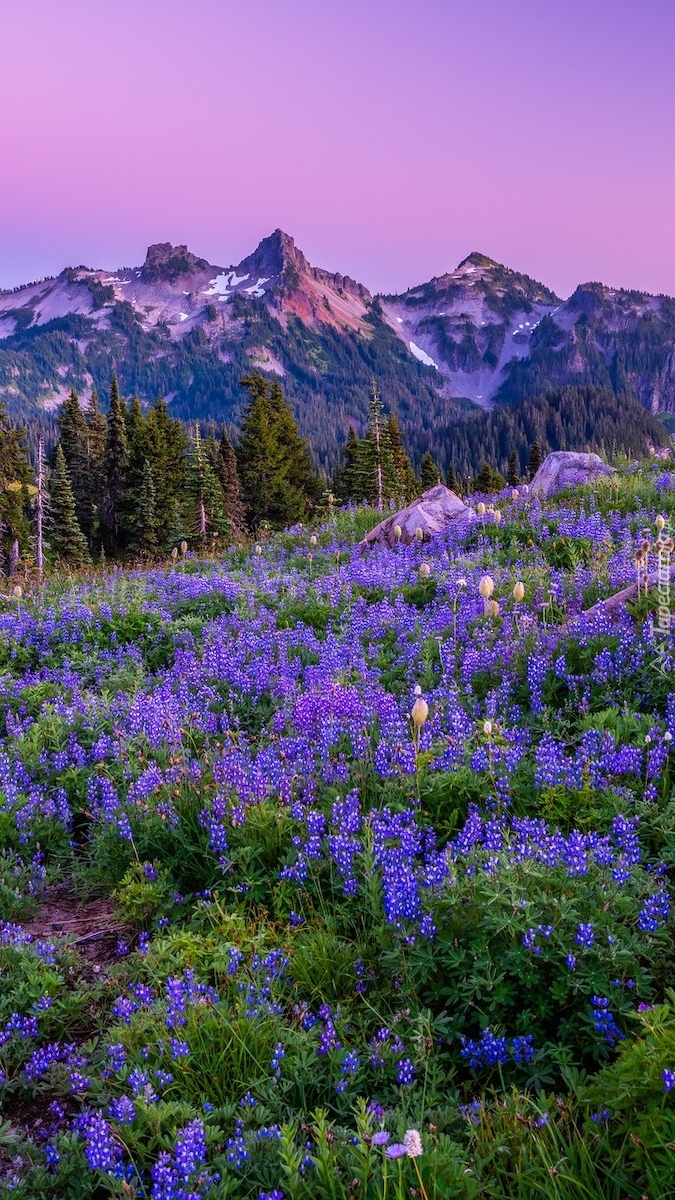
{"x": 133, "y": 484}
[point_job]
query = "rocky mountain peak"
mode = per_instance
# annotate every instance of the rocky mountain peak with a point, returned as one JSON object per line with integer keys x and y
{"x": 476, "y": 259}
{"x": 166, "y": 263}
{"x": 276, "y": 257}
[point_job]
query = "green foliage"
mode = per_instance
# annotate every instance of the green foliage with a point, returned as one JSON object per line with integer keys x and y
{"x": 563, "y": 418}
{"x": 66, "y": 538}
{"x": 430, "y": 475}
{"x": 273, "y": 461}
{"x": 115, "y": 464}
{"x": 142, "y": 893}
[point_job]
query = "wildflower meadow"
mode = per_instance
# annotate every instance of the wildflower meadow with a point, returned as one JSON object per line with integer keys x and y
{"x": 332, "y": 874}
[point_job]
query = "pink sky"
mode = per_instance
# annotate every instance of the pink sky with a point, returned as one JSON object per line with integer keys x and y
{"x": 389, "y": 137}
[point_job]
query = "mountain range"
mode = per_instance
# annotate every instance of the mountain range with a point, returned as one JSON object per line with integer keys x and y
{"x": 477, "y": 338}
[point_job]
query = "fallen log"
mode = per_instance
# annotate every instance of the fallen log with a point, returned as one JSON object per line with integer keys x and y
{"x": 629, "y": 593}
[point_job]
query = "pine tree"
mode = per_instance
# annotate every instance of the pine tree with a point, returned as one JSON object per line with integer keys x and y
{"x": 228, "y": 476}
{"x": 66, "y": 540}
{"x": 97, "y": 426}
{"x": 73, "y": 438}
{"x": 430, "y": 475}
{"x": 513, "y": 471}
{"x": 40, "y": 509}
{"x": 452, "y": 481}
{"x": 407, "y": 483}
{"x": 376, "y": 471}
{"x": 167, "y": 446}
{"x": 300, "y": 477}
{"x": 347, "y": 477}
{"x": 144, "y": 526}
{"x": 274, "y": 465}
{"x": 536, "y": 459}
{"x": 204, "y": 500}
{"x": 16, "y": 487}
{"x": 489, "y": 480}
{"x": 114, "y": 468}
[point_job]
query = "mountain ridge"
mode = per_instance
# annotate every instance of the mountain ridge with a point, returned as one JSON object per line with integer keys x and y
{"x": 475, "y": 337}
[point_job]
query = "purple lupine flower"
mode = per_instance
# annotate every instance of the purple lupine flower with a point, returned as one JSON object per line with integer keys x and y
{"x": 604, "y": 1021}
{"x": 122, "y": 1110}
{"x": 585, "y": 936}
{"x": 190, "y": 1149}
{"x": 405, "y": 1072}
{"x": 101, "y": 1151}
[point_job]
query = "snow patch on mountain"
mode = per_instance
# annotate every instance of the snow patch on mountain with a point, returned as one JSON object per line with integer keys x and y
{"x": 422, "y": 356}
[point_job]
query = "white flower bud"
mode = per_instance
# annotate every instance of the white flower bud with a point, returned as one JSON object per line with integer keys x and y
{"x": 480, "y": 509}
{"x": 487, "y": 728}
{"x": 419, "y": 533}
{"x": 660, "y": 522}
{"x": 419, "y": 712}
{"x": 312, "y": 540}
{"x": 425, "y": 570}
{"x": 486, "y": 587}
{"x": 519, "y": 592}
{"x": 397, "y": 532}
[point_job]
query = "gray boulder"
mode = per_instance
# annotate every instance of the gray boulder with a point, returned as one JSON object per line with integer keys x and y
{"x": 434, "y": 512}
{"x": 565, "y": 468}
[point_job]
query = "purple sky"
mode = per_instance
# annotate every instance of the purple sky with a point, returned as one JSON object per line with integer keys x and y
{"x": 389, "y": 137}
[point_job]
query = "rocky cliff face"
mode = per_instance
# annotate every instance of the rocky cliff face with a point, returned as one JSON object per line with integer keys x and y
{"x": 178, "y": 325}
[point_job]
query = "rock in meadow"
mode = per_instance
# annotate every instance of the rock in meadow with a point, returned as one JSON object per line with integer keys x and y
{"x": 434, "y": 512}
{"x": 566, "y": 468}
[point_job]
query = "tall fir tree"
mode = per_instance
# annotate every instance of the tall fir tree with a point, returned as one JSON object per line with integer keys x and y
{"x": 114, "y": 469}
{"x": 407, "y": 483}
{"x": 16, "y": 489}
{"x": 347, "y": 476}
{"x": 167, "y": 447}
{"x": 488, "y": 480}
{"x": 144, "y": 523}
{"x": 513, "y": 470}
{"x": 97, "y": 427}
{"x": 430, "y": 475}
{"x": 302, "y": 486}
{"x": 40, "y": 498}
{"x": 273, "y": 461}
{"x": 204, "y": 501}
{"x": 376, "y": 471}
{"x": 536, "y": 459}
{"x": 66, "y": 538}
{"x": 73, "y": 435}
{"x": 233, "y": 500}
{"x": 452, "y": 481}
